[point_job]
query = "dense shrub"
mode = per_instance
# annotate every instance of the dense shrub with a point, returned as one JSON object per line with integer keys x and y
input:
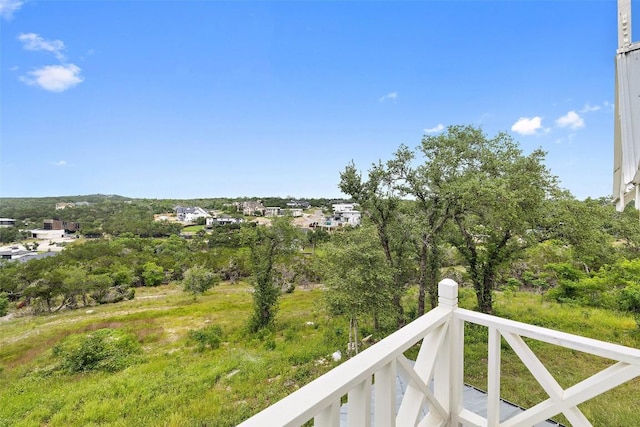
{"x": 108, "y": 350}
{"x": 615, "y": 286}
{"x": 152, "y": 274}
{"x": 198, "y": 279}
{"x": 630, "y": 300}
{"x": 207, "y": 338}
{"x": 4, "y": 304}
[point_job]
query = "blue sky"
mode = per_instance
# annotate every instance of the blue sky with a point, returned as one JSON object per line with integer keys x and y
{"x": 167, "y": 99}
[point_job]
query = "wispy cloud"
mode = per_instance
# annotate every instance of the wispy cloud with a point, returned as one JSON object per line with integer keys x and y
{"x": 32, "y": 41}
{"x": 437, "y": 129}
{"x": 54, "y": 78}
{"x": 571, "y": 120}
{"x": 588, "y": 108}
{"x": 483, "y": 117}
{"x": 61, "y": 163}
{"x": 527, "y": 125}
{"x": 393, "y": 96}
{"x": 9, "y": 7}
{"x": 568, "y": 139}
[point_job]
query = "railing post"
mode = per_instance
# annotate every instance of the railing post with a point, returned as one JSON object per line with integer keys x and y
{"x": 359, "y": 405}
{"x": 448, "y": 293}
{"x": 445, "y": 377}
{"x": 385, "y": 396}
{"x": 328, "y": 417}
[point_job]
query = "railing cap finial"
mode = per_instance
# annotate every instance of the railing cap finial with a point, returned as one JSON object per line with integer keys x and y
{"x": 448, "y": 292}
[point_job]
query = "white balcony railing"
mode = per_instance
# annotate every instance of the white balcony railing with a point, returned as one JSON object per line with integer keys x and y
{"x": 440, "y": 360}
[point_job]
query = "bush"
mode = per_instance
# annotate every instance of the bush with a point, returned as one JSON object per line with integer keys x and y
{"x": 208, "y": 338}
{"x": 4, "y": 304}
{"x": 198, "y": 279}
{"x": 629, "y": 299}
{"x": 108, "y": 350}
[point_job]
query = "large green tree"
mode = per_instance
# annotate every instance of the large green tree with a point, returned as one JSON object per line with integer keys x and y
{"x": 380, "y": 200}
{"x": 500, "y": 196}
{"x": 359, "y": 281}
{"x": 269, "y": 245}
{"x": 428, "y": 175}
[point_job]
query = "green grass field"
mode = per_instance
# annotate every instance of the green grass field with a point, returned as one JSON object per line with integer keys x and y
{"x": 193, "y": 228}
{"x": 171, "y": 383}
{"x": 617, "y": 407}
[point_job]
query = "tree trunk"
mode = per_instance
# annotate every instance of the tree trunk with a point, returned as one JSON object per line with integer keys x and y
{"x": 484, "y": 292}
{"x": 422, "y": 283}
{"x": 352, "y": 346}
{"x": 485, "y": 300}
{"x": 355, "y": 334}
{"x": 398, "y": 303}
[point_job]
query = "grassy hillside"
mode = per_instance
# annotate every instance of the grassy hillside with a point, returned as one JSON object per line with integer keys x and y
{"x": 168, "y": 381}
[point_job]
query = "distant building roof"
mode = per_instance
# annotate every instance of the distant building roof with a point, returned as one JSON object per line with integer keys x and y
{"x": 36, "y": 256}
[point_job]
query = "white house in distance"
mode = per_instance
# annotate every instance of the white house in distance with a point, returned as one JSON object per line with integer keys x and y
{"x": 294, "y": 212}
{"x": 46, "y": 234}
{"x": 343, "y": 207}
{"x": 272, "y": 211}
{"x": 190, "y": 214}
{"x": 7, "y": 222}
{"x": 223, "y": 220}
{"x": 346, "y": 213}
{"x": 350, "y": 217}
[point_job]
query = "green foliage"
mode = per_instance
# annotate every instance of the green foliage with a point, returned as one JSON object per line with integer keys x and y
{"x": 269, "y": 247}
{"x": 492, "y": 196}
{"x": 198, "y": 279}
{"x": 630, "y": 300}
{"x": 501, "y": 195}
{"x": 586, "y": 227}
{"x": 108, "y": 350}
{"x": 615, "y": 286}
{"x": 207, "y": 338}
{"x": 11, "y": 234}
{"x": 380, "y": 200}
{"x": 152, "y": 274}
{"x": 4, "y": 304}
{"x": 358, "y": 279}
{"x": 318, "y": 236}
{"x": 121, "y": 275}
{"x": 565, "y": 271}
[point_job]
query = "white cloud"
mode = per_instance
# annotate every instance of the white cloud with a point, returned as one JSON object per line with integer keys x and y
{"x": 436, "y": 129}
{"x": 527, "y": 126}
{"x": 32, "y": 41}
{"x": 572, "y": 120}
{"x": 61, "y": 163}
{"x": 568, "y": 139}
{"x": 590, "y": 108}
{"x": 9, "y": 7}
{"x": 393, "y": 96}
{"x": 54, "y": 78}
